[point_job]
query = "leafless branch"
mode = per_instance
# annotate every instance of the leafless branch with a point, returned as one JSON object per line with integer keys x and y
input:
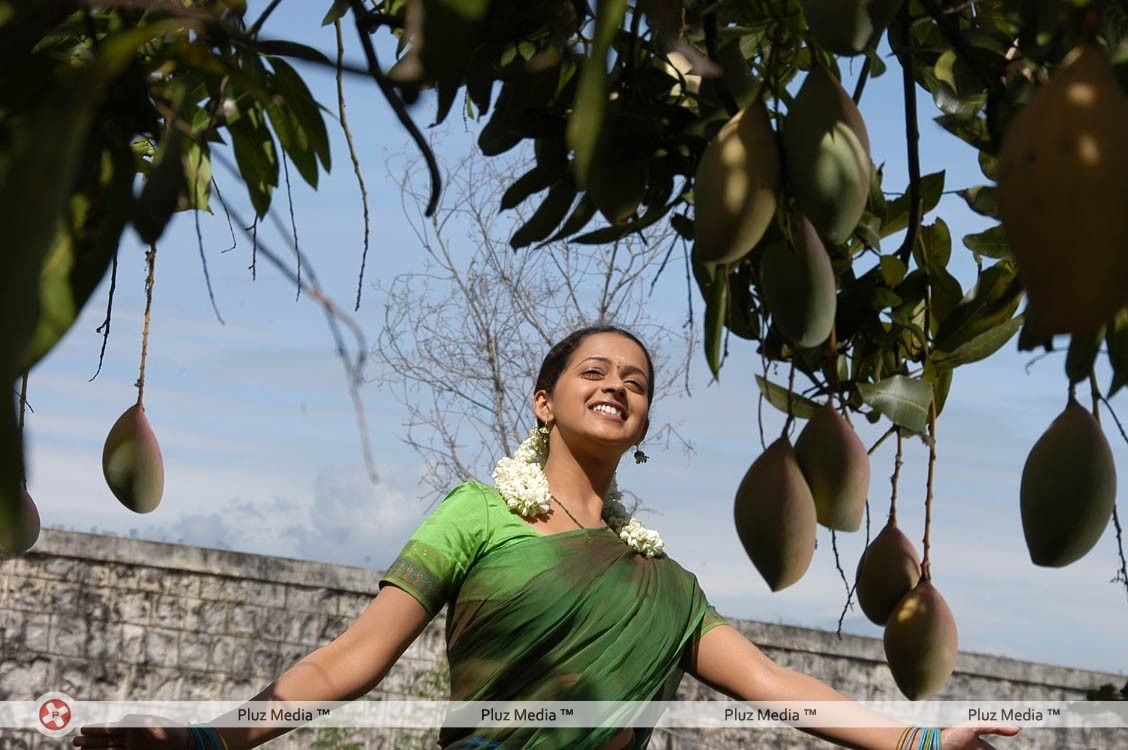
{"x": 463, "y": 334}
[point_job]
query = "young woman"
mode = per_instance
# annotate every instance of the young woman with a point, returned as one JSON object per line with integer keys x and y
{"x": 553, "y": 592}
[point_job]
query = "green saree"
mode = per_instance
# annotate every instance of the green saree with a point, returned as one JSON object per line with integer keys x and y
{"x": 574, "y": 616}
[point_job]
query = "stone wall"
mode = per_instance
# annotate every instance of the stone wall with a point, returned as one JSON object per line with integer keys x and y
{"x": 106, "y": 618}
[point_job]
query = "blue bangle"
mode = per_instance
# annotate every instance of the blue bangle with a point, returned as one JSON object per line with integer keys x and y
{"x": 929, "y": 739}
{"x": 205, "y": 737}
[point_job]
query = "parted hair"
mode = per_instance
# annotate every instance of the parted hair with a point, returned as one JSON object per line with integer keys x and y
{"x": 561, "y": 353}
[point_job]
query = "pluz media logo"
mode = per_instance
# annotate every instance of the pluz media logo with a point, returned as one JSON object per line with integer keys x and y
{"x": 54, "y": 714}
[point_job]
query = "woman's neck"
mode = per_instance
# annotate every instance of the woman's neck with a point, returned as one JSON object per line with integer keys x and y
{"x": 581, "y": 483}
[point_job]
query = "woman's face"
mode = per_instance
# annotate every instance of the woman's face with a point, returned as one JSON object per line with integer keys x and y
{"x": 601, "y": 396}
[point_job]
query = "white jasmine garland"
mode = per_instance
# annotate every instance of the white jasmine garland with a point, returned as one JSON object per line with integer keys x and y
{"x": 522, "y": 484}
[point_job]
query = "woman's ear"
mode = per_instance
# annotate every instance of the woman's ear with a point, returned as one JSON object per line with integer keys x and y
{"x": 542, "y": 406}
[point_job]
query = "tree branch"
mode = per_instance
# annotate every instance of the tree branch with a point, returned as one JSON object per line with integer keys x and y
{"x": 912, "y": 140}
{"x": 397, "y": 105}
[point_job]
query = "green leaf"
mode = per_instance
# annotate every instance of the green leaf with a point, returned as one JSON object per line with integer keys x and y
{"x": 451, "y": 30}
{"x": 577, "y": 220}
{"x": 941, "y": 381}
{"x": 988, "y": 165}
{"x": 502, "y": 132}
{"x": 1117, "y": 340}
{"x": 897, "y": 210}
{"x": 991, "y": 243}
{"x": 197, "y": 178}
{"x": 1082, "y": 353}
{"x": 904, "y": 400}
{"x": 683, "y": 225}
{"x": 892, "y": 270}
{"x": 944, "y": 70}
{"x": 547, "y": 216}
{"x": 533, "y": 181}
{"x": 716, "y": 309}
{"x": 991, "y": 302}
{"x": 336, "y": 12}
{"x": 946, "y": 294}
{"x": 778, "y": 396}
{"x": 161, "y": 190}
{"x": 480, "y": 79}
{"x": 877, "y": 64}
{"x": 742, "y": 318}
{"x": 84, "y": 246}
{"x": 875, "y": 201}
{"x": 934, "y": 247}
{"x": 979, "y": 347}
{"x": 256, "y": 158}
{"x": 304, "y": 114}
{"x": 286, "y": 48}
{"x": 586, "y": 119}
{"x": 618, "y": 231}
{"x": 981, "y": 199}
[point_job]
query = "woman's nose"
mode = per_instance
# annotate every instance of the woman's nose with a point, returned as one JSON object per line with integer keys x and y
{"x": 614, "y": 384}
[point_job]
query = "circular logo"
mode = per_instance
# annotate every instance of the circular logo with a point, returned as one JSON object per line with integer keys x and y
{"x": 53, "y": 711}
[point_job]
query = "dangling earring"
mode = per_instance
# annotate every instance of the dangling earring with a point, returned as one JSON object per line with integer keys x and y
{"x": 639, "y": 456}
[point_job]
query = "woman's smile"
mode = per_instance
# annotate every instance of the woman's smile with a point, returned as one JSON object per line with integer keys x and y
{"x": 612, "y": 410}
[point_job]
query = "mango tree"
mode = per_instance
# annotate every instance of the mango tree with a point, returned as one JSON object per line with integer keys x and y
{"x": 726, "y": 119}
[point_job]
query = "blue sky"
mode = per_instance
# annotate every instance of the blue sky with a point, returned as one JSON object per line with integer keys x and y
{"x": 262, "y": 454}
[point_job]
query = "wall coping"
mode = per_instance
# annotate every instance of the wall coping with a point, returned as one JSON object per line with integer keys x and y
{"x": 266, "y": 568}
{"x": 219, "y": 562}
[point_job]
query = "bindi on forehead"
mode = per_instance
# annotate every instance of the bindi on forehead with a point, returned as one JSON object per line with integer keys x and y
{"x": 622, "y": 363}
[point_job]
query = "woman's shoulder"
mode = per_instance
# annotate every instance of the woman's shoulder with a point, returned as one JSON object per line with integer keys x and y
{"x": 482, "y": 500}
{"x": 473, "y": 491}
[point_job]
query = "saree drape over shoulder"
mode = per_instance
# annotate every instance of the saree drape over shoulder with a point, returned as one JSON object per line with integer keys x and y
{"x": 574, "y": 616}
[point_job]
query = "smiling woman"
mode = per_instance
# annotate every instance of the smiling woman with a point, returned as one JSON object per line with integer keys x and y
{"x": 561, "y": 599}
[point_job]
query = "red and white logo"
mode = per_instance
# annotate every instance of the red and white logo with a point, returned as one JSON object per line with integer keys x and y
{"x": 54, "y": 714}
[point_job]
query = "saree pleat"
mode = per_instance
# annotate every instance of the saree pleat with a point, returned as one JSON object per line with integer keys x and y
{"x": 575, "y": 617}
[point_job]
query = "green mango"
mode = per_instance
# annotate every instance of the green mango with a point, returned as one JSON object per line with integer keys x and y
{"x": 889, "y": 569}
{"x": 1063, "y": 174}
{"x": 775, "y": 516}
{"x": 921, "y": 642}
{"x": 20, "y": 527}
{"x": 736, "y": 188}
{"x": 826, "y": 154}
{"x": 1068, "y": 489}
{"x": 836, "y": 467}
{"x": 798, "y": 287}
{"x": 132, "y": 463}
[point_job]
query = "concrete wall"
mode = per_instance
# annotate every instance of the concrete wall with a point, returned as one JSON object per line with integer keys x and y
{"x": 104, "y": 618}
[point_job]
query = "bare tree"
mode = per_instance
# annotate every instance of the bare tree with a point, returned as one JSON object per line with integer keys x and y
{"x": 463, "y": 336}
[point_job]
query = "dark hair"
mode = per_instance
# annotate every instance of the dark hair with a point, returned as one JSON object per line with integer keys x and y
{"x": 557, "y": 358}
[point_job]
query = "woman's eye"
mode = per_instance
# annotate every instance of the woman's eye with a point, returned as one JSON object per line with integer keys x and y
{"x": 596, "y": 373}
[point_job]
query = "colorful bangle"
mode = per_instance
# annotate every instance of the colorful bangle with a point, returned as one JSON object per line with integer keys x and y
{"x": 919, "y": 738}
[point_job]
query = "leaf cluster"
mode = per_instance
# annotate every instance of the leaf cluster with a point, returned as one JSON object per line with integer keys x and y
{"x": 644, "y": 86}
{"x": 110, "y": 121}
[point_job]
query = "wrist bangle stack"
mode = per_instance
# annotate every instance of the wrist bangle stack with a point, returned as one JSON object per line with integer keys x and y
{"x": 206, "y": 738}
{"x": 919, "y": 738}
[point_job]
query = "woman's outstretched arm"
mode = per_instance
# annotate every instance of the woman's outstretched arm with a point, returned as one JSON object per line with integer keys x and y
{"x": 726, "y": 660}
{"x": 346, "y": 668}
